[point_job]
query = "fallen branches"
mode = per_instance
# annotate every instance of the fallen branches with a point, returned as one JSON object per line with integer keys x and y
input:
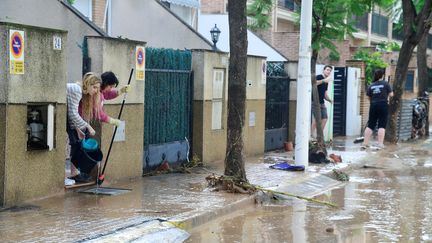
{"x": 297, "y": 196}
{"x": 229, "y": 184}
{"x": 232, "y": 185}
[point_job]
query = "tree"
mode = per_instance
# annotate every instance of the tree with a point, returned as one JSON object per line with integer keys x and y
{"x": 421, "y": 46}
{"x": 234, "y": 160}
{"x": 373, "y": 60}
{"x": 422, "y": 67}
{"x": 423, "y": 74}
{"x": 416, "y": 25}
{"x": 260, "y": 11}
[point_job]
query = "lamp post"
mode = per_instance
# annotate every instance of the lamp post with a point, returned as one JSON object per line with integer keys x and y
{"x": 215, "y": 32}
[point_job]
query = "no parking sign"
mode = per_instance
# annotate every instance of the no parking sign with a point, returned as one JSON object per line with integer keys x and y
{"x": 16, "y": 51}
{"x": 140, "y": 63}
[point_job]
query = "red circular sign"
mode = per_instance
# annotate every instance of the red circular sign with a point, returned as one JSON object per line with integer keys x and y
{"x": 16, "y": 44}
{"x": 140, "y": 57}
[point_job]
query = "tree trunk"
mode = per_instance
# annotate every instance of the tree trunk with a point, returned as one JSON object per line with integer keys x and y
{"x": 234, "y": 160}
{"x": 416, "y": 26}
{"x": 422, "y": 65}
{"x": 423, "y": 74}
{"x": 398, "y": 88}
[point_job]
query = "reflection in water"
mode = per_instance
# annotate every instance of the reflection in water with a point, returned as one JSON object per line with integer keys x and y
{"x": 393, "y": 204}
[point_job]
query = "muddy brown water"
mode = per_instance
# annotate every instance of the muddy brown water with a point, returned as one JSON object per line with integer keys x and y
{"x": 390, "y": 201}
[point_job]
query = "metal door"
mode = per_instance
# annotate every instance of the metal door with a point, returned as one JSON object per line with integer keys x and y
{"x": 276, "y": 118}
{"x": 339, "y": 112}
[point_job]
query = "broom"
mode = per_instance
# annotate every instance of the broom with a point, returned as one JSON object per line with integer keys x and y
{"x": 101, "y": 176}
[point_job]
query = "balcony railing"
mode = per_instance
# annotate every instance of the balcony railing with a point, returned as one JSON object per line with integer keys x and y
{"x": 379, "y": 24}
{"x": 288, "y": 4}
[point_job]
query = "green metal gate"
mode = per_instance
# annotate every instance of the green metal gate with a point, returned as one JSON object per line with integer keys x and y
{"x": 168, "y": 106}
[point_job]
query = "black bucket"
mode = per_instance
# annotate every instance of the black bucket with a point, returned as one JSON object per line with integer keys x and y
{"x": 85, "y": 161}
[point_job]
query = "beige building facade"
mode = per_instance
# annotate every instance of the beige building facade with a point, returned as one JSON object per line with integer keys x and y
{"x": 210, "y": 105}
{"x": 33, "y": 108}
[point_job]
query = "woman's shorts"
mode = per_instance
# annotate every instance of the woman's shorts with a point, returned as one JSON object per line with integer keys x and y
{"x": 378, "y": 112}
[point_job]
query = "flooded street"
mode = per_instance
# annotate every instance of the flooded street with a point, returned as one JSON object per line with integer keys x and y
{"x": 388, "y": 200}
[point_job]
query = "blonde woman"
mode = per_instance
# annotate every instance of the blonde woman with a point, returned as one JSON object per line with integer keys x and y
{"x": 83, "y": 100}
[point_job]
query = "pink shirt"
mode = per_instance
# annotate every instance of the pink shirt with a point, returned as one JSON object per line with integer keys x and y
{"x": 106, "y": 95}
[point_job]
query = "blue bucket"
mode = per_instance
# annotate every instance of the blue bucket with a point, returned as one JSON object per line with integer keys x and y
{"x": 89, "y": 144}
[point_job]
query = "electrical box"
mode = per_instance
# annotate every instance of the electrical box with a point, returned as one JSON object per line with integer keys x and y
{"x": 40, "y": 127}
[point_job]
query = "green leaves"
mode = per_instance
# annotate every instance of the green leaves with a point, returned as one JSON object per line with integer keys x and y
{"x": 373, "y": 61}
{"x": 260, "y": 11}
{"x": 388, "y": 46}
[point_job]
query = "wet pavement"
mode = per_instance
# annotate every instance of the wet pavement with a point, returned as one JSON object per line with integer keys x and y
{"x": 165, "y": 203}
{"x": 388, "y": 200}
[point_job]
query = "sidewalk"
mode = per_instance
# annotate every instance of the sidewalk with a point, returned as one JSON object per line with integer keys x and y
{"x": 160, "y": 208}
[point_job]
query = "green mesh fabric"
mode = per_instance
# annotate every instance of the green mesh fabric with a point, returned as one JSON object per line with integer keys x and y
{"x": 167, "y": 95}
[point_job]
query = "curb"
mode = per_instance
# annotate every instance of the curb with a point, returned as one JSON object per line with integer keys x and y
{"x": 174, "y": 229}
{"x": 193, "y": 219}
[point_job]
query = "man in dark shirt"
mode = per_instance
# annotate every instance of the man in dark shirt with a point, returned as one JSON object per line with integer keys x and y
{"x": 322, "y": 81}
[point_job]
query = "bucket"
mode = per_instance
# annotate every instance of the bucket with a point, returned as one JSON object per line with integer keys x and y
{"x": 85, "y": 160}
{"x": 89, "y": 144}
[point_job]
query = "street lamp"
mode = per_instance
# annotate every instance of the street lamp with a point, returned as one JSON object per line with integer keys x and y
{"x": 215, "y": 32}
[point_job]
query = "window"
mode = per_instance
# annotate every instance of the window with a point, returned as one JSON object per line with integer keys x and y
{"x": 397, "y": 33}
{"x": 217, "y": 98}
{"x": 361, "y": 22}
{"x": 85, "y": 7}
{"x": 409, "y": 83}
{"x": 379, "y": 24}
{"x": 429, "y": 41}
{"x": 288, "y": 4}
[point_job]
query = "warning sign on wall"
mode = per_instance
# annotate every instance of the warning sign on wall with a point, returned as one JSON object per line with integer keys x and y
{"x": 140, "y": 63}
{"x": 16, "y": 51}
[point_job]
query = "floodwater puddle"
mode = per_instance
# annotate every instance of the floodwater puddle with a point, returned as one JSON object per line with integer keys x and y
{"x": 377, "y": 205}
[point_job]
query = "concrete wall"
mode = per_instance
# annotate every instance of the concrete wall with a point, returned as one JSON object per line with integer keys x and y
{"x": 150, "y": 21}
{"x": 118, "y": 56}
{"x": 210, "y": 144}
{"x": 26, "y": 173}
{"x": 52, "y": 14}
{"x": 254, "y": 130}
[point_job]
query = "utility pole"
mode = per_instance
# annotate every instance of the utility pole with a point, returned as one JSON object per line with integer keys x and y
{"x": 304, "y": 86}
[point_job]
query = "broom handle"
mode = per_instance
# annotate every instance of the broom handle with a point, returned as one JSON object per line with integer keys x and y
{"x": 115, "y": 129}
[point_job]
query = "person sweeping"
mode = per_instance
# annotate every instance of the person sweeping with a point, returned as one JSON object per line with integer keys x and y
{"x": 108, "y": 92}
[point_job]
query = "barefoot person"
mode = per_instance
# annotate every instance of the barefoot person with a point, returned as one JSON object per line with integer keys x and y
{"x": 379, "y": 92}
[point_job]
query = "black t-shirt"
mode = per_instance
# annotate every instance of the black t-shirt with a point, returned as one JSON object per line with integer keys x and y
{"x": 379, "y": 91}
{"x": 322, "y": 88}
